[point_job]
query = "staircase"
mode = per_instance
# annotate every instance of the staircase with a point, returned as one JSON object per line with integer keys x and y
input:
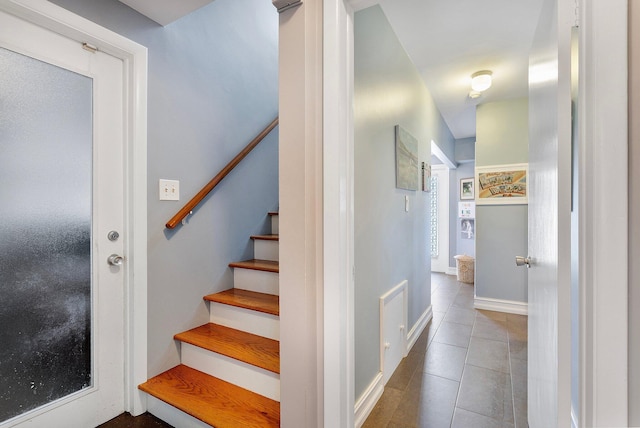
{"x": 229, "y": 374}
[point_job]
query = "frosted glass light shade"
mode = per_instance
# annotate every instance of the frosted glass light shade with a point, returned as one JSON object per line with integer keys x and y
{"x": 481, "y": 80}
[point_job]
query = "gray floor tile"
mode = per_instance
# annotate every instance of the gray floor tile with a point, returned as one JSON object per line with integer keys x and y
{"x": 489, "y": 354}
{"x": 460, "y": 315}
{"x": 453, "y": 334}
{"x": 445, "y": 361}
{"x": 482, "y": 391}
{"x": 491, "y": 315}
{"x": 520, "y": 407}
{"x": 438, "y": 316}
{"x": 493, "y": 330}
{"x": 464, "y": 300}
{"x": 429, "y": 401}
{"x": 442, "y": 299}
{"x": 466, "y": 419}
{"x": 518, "y": 368}
{"x": 384, "y": 409}
{"x": 407, "y": 367}
{"x": 518, "y": 349}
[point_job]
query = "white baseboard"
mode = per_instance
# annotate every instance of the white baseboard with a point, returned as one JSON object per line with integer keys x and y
{"x": 508, "y": 306}
{"x": 452, "y": 271}
{"x": 368, "y": 400}
{"x": 419, "y": 327}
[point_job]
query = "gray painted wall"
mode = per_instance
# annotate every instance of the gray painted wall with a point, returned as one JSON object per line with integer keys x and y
{"x": 465, "y": 150}
{"x": 502, "y": 137}
{"x": 390, "y": 244}
{"x": 213, "y": 86}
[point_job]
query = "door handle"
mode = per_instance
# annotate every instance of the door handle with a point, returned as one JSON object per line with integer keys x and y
{"x": 521, "y": 261}
{"x": 115, "y": 260}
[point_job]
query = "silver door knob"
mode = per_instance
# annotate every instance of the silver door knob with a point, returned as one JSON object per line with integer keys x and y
{"x": 521, "y": 261}
{"x": 115, "y": 260}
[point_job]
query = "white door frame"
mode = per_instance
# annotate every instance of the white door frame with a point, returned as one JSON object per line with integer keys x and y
{"x": 442, "y": 262}
{"x": 603, "y": 258}
{"x": 134, "y": 57}
{"x": 603, "y": 230}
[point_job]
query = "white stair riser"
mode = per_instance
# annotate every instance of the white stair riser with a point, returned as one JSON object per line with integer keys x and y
{"x": 265, "y": 249}
{"x": 172, "y": 415}
{"x": 275, "y": 228}
{"x": 261, "y": 324}
{"x": 244, "y": 375}
{"x": 256, "y": 280}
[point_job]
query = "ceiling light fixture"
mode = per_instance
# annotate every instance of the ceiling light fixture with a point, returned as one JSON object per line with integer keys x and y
{"x": 474, "y": 94}
{"x": 481, "y": 80}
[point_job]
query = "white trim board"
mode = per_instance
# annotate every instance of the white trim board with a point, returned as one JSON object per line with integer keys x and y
{"x": 390, "y": 304}
{"x": 134, "y": 57}
{"x": 452, "y": 271}
{"x": 498, "y": 305}
{"x": 368, "y": 400}
{"x": 418, "y": 328}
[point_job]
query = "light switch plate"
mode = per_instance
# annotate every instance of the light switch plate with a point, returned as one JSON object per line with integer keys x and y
{"x": 169, "y": 190}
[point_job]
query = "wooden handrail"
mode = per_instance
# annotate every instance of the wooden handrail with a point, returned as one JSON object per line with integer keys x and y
{"x": 186, "y": 210}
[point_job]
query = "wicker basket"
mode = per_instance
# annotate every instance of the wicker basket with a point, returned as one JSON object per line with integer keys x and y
{"x": 465, "y": 267}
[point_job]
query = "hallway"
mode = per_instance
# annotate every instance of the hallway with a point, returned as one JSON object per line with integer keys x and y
{"x": 467, "y": 369}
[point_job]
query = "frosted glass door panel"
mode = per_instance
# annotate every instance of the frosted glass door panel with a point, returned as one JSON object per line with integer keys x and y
{"x": 45, "y": 233}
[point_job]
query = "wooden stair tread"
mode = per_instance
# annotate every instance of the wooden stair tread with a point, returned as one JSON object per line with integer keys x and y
{"x": 240, "y": 345}
{"x": 211, "y": 400}
{"x": 266, "y": 237}
{"x": 255, "y": 264}
{"x": 261, "y": 302}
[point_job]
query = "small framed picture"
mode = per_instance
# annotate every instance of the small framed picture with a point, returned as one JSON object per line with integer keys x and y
{"x": 466, "y": 188}
{"x": 426, "y": 177}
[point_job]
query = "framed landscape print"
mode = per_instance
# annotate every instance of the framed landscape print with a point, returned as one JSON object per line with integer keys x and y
{"x": 407, "y": 175}
{"x": 502, "y": 184}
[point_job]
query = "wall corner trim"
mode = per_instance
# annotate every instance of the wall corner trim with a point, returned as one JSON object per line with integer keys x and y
{"x": 508, "y": 306}
{"x": 368, "y": 399}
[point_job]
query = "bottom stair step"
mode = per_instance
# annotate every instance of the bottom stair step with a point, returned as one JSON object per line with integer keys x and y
{"x": 211, "y": 400}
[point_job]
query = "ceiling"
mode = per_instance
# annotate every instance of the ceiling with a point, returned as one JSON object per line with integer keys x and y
{"x": 449, "y": 40}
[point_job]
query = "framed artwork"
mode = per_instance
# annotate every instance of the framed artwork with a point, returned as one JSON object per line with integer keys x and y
{"x": 467, "y": 228}
{"x": 467, "y": 188}
{"x": 426, "y": 177}
{"x": 502, "y": 184}
{"x": 466, "y": 210}
{"x": 406, "y": 160}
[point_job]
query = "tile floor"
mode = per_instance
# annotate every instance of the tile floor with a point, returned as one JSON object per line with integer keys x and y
{"x": 467, "y": 369}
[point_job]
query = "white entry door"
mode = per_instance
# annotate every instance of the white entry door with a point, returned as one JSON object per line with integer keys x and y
{"x": 62, "y": 170}
{"x": 439, "y": 218}
{"x": 549, "y": 345}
